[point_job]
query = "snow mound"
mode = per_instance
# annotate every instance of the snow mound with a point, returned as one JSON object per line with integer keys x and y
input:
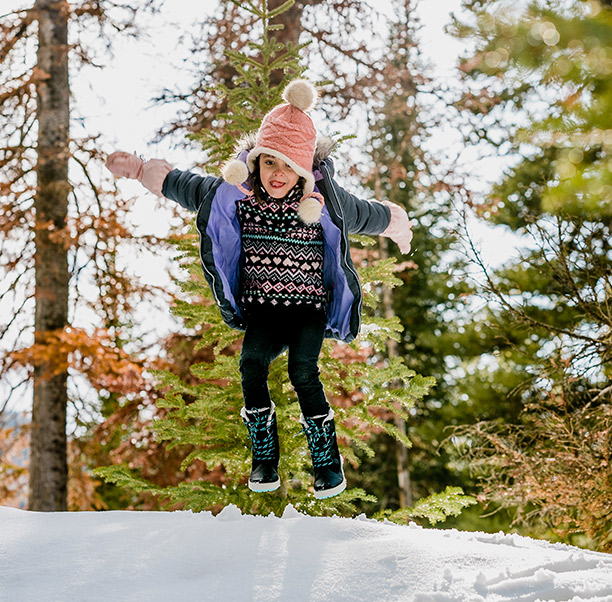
{"x": 181, "y": 556}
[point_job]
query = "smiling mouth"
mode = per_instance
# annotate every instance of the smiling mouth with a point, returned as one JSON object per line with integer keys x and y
{"x": 276, "y": 184}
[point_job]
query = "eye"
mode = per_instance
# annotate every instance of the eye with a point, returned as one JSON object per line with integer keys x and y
{"x": 269, "y": 162}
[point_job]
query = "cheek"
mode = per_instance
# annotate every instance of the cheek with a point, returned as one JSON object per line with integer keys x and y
{"x": 265, "y": 176}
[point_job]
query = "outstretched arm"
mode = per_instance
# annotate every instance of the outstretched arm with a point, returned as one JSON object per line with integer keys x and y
{"x": 150, "y": 174}
{"x": 188, "y": 189}
{"x": 373, "y": 217}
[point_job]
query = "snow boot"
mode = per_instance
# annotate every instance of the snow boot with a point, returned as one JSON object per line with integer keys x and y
{"x": 326, "y": 460}
{"x": 261, "y": 425}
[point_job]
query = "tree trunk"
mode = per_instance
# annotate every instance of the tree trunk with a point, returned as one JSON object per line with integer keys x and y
{"x": 401, "y": 453}
{"x": 48, "y": 462}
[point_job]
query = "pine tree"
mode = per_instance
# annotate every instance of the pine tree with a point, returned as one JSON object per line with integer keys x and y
{"x": 204, "y": 414}
{"x": 543, "y": 450}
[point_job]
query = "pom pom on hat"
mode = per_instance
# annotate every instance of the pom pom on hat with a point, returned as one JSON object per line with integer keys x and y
{"x": 301, "y": 94}
{"x": 235, "y": 172}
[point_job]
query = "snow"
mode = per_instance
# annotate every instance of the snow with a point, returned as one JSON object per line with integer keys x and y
{"x": 181, "y": 556}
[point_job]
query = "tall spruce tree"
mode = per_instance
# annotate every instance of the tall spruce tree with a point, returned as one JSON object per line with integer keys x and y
{"x": 341, "y": 51}
{"x": 540, "y": 91}
{"x": 205, "y": 414}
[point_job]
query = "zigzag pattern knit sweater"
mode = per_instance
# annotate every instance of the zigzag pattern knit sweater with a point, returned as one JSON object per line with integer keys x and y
{"x": 283, "y": 256}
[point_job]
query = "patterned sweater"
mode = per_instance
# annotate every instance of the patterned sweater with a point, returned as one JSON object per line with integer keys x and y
{"x": 283, "y": 257}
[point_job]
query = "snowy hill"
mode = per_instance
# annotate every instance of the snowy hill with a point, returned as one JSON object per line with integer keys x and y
{"x": 180, "y": 556}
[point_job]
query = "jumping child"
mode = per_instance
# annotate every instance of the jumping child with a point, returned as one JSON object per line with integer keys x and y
{"x": 275, "y": 251}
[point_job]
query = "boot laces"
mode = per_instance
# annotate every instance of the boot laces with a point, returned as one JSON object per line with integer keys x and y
{"x": 321, "y": 442}
{"x": 262, "y": 436}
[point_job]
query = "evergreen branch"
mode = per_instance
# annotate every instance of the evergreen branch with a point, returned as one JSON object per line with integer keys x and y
{"x": 520, "y": 312}
{"x": 280, "y": 9}
{"x": 125, "y": 478}
{"x": 435, "y": 508}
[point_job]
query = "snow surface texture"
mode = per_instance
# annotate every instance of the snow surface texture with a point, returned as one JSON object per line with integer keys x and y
{"x": 180, "y": 556}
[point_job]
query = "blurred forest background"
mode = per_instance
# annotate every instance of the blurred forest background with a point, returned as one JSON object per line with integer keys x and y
{"x": 112, "y": 355}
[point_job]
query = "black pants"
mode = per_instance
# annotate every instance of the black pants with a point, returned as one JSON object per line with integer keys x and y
{"x": 268, "y": 334}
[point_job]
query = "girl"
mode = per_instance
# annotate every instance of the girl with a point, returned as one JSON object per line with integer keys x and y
{"x": 275, "y": 251}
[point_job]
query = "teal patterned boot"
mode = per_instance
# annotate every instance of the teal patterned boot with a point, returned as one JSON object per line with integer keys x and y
{"x": 261, "y": 425}
{"x": 326, "y": 460}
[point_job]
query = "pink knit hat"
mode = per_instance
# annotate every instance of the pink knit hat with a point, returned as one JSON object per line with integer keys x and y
{"x": 286, "y": 132}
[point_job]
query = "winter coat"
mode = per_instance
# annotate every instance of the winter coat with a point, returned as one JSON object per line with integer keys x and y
{"x": 220, "y": 243}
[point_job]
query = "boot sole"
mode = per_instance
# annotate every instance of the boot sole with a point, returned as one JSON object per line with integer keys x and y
{"x": 263, "y": 487}
{"x": 325, "y": 493}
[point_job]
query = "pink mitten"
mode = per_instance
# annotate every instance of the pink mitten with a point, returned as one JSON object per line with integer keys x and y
{"x": 124, "y": 165}
{"x": 399, "y": 229}
{"x": 150, "y": 174}
{"x": 154, "y": 173}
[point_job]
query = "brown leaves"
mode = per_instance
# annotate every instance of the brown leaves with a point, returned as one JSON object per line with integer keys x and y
{"x": 13, "y": 31}
{"x": 95, "y": 356}
{"x": 471, "y": 64}
{"x": 555, "y": 468}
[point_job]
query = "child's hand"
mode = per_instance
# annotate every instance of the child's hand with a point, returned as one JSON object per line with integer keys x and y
{"x": 150, "y": 174}
{"x": 124, "y": 165}
{"x": 399, "y": 229}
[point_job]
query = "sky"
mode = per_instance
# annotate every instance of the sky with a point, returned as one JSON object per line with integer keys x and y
{"x": 160, "y": 556}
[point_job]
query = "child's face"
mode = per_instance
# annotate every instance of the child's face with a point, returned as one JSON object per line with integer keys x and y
{"x": 276, "y": 176}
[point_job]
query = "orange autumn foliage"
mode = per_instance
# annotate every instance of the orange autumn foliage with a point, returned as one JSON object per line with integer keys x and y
{"x": 94, "y": 355}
